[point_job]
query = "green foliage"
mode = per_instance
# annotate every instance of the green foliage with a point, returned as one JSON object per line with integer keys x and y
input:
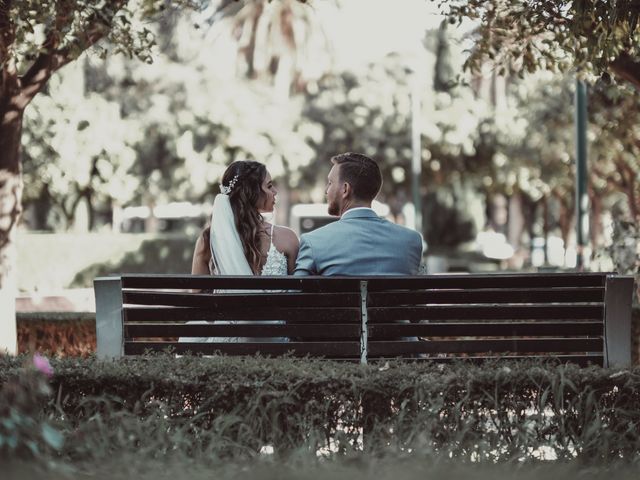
{"x": 625, "y": 251}
{"x": 228, "y": 409}
{"x": 76, "y": 148}
{"x": 614, "y": 118}
{"x": 280, "y": 41}
{"x": 25, "y": 431}
{"x": 447, "y": 226}
{"x": 372, "y": 113}
{"x": 535, "y": 145}
{"x": 626, "y": 247}
{"x": 520, "y": 36}
{"x": 369, "y": 114}
{"x": 164, "y": 143}
{"x": 69, "y": 27}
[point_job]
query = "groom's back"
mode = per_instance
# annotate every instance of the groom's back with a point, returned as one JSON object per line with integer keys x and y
{"x": 360, "y": 244}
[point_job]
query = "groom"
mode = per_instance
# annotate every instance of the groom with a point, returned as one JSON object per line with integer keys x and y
{"x": 360, "y": 243}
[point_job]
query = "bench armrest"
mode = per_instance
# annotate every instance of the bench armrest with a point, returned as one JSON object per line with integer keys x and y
{"x": 109, "y": 326}
{"x": 617, "y": 320}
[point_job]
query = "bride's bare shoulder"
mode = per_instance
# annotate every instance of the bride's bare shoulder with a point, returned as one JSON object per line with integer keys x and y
{"x": 285, "y": 237}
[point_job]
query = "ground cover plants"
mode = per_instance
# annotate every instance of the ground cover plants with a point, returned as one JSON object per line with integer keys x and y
{"x": 302, "y": 418}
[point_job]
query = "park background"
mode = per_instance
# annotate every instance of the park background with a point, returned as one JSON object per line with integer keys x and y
{"x": 122, "y": 156}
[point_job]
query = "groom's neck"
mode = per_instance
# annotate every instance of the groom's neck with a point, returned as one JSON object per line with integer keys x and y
{"x": 354, "y": 204}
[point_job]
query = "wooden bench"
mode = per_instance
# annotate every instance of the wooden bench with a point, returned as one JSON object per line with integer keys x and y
{"x": 577, "y": 317}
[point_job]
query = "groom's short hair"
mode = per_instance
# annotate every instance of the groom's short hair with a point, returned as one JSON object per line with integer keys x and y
{"x": 361, "y": 172}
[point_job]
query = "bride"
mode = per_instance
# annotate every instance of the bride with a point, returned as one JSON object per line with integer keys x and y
{"x": 239, "y": 241}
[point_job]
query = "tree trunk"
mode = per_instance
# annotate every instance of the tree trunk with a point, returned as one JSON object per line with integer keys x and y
{"x": 515, "y": 228}
{"x": 545, "y": 228}
{"x": 596, "y": 229}
{"x": 565, "y": 219}
{"x": 10, "y": 210}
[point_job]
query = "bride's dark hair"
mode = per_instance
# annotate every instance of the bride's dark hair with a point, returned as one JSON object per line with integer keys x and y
{"x": 245, "y": 179}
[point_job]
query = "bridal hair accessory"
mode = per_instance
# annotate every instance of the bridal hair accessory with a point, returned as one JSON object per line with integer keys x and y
{"x": 227, "y": 190}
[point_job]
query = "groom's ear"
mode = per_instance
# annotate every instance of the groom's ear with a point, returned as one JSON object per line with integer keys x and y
{"x": 346, "y": 189}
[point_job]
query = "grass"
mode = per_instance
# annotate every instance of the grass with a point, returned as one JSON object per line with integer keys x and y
{"x": 51, "y": 262}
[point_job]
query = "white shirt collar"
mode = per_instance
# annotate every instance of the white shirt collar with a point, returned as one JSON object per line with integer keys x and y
{"x": 358, "y": 208}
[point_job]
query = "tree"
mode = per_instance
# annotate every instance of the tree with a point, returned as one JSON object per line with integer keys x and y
{"x": 594, "y": 36}
{"x": 536, "y": 157}
{"x": 279, "y": 41}
{"x": 36, "y": 40}
{"x": 614, "y": 120}
{"x": 180, "y": 143}
{"x": 533, "y": 158}
{"x": 76, "y": 152}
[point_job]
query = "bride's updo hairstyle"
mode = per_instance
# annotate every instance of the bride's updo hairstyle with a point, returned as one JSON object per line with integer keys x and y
{"x": 242, "y": 181}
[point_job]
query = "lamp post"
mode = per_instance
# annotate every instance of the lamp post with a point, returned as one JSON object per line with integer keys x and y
{"x": 582, "y": 199}
{"x": 416, "y": 156}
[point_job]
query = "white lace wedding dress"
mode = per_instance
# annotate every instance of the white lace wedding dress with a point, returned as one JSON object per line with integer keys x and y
{"x": 275, "y": 265}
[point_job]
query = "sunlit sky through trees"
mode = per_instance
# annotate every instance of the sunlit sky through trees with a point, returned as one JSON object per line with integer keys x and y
{"x": 367, "y": 30}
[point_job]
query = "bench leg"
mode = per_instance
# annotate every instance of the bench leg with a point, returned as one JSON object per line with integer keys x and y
{"x": 109, "y": 330}
{"x": 617, "y": 321}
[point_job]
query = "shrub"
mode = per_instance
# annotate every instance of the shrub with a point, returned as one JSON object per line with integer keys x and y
{"x": 223, "y": 408}
{"x": 24, "y": 429}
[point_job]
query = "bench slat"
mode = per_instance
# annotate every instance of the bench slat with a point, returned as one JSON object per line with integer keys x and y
{"x": 487, "y": 312}
{"x": 456, "y": 329}
{"x": 255, "y": 300}
{"x": 517, "y": 295}
{"x": 492, "y": 329}
{"x": 300, "y": 314}
{"x": 499, "y": 280}
{"x": 560, "y": 345}
{"x": 228, "y": 282}
{"x": 582, "y": 360}
{"x": 343, "y": 284}
{"x": 241, "y": 330}
{"x": 322, "y": 349}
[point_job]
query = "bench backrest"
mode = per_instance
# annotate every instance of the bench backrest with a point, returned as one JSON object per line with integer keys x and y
{"x": 583, "y": 318}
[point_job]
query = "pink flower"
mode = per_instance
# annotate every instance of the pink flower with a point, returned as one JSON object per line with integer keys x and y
{"x": 42, "y": 364}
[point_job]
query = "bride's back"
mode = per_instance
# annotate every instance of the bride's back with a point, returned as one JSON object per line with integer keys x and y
{"x": 278, "y": 250}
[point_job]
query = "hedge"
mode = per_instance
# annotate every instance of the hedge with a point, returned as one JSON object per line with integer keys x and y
{"x": 235, "y": 408}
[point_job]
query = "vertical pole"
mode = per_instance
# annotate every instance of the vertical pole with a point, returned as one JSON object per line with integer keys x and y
{"x": 109, "y": 328}
{"x": 416, "y": 158}
{"x": 582, "y": 200}
{"x": 364, "y": 324}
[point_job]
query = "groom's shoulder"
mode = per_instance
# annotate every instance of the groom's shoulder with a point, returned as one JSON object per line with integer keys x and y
{"x": 403, "y": 228}
{"x": 405, "y": 232}
{"x": 322, "y": 232}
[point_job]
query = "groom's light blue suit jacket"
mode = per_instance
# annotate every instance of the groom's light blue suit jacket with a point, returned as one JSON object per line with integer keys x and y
{"x": 360, "y": 243}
